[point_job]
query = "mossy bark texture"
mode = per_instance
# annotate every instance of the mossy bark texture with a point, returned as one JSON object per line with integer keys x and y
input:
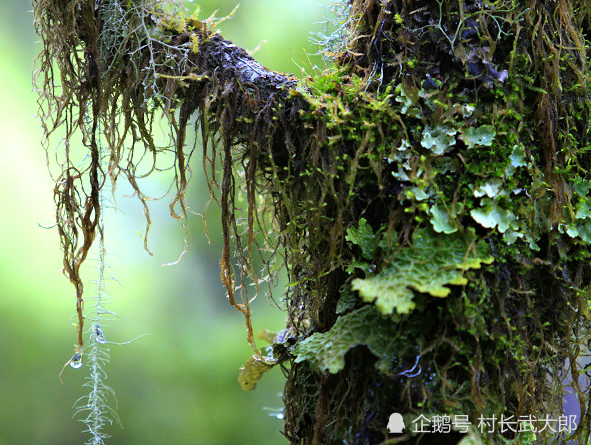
{"x": 429, "y": 193}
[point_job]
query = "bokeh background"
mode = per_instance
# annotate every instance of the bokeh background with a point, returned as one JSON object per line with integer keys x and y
{"x": 178, "y": 383}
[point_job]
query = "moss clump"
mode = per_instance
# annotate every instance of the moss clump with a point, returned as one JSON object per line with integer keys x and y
{"x": 447, "y": 134}
{"x": 442, "y": 123}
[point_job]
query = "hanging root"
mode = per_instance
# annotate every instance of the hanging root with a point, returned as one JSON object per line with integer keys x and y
{"x": 108, "y": 73}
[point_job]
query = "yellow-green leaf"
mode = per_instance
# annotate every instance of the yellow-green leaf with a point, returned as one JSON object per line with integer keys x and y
{"x": 252, "y": 371}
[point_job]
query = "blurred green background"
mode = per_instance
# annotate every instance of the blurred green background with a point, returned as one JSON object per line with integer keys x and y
{"x": 178, "y": 384}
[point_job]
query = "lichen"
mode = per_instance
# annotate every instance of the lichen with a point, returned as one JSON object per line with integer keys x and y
{"x": 465, "y": 149}
{"x": 253, "y": 371}
{"x": 446, "y": 135}
{"x": 430, "y": 264}
{"x": 361, "y": 327}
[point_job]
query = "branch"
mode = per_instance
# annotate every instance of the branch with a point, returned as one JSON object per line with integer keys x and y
{"x": 245, "y": 100}
{"x": 221, "y": 57}
{"x": 123, "y": 66}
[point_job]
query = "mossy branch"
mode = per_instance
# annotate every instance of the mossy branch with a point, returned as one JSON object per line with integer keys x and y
{"x": 122, "y": 68}
{"x": 458, "y": 131}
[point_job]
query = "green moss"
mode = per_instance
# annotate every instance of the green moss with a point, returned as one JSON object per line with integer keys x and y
{"x": 446, "y": 136}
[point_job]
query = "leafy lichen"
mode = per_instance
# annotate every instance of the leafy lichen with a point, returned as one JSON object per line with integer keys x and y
{"x": 361, "y": 327}
{"x": 447, "y": 134}
{"x": 430, "y": 264}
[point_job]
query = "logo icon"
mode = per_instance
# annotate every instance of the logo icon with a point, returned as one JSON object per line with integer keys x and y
{"x": 395, "y": 424}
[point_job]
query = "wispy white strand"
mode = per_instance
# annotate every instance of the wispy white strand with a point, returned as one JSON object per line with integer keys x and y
{"x": 95, "y": 407}
{"x": 333, "y": 38}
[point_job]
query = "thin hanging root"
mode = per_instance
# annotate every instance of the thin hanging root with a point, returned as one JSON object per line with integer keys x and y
{"x": 228, "y": 282}
{"x": 62, "y": 371}
{"x": 80, "y": 312}
{"x": 182, "y": 167}
{"x": 123, "y": 67}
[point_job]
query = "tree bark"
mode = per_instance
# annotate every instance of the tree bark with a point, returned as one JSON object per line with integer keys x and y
{"x": 431, "y": 199}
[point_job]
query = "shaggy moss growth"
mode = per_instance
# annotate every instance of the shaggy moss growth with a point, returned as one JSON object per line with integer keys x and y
{"x": 429, "y": 192}
{"x": 445, "y": 135}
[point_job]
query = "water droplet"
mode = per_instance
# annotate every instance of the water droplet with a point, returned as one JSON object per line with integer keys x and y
{"x": 76, "y": 360}
{"x": 99, "y": 336}
{"x": 277, "y": 413}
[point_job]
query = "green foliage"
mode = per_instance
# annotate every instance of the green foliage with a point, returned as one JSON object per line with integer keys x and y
{"x": 407, "y": 100}
{"x": 577, "y": 224}
{"x": 462, "y": 181}
{"x": 391, "y": 288}
{"x": 491, "y": 215}
{"x": 253, "y": 371}
{"x": 439, "y": 139}
{"x": 482, "y": 135}
{"x": 431, "y": 263}
{"x": 347, "y": 302}
{"x": 469, "y": 158}
{"x": 442, "y": 220}
{"x": 364, "y": 237}
{"x": 365, "y": 326}
{"x": 491, "y": 188}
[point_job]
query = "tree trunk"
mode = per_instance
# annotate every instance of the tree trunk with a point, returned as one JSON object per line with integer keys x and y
{"x": 430, "y": 191}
